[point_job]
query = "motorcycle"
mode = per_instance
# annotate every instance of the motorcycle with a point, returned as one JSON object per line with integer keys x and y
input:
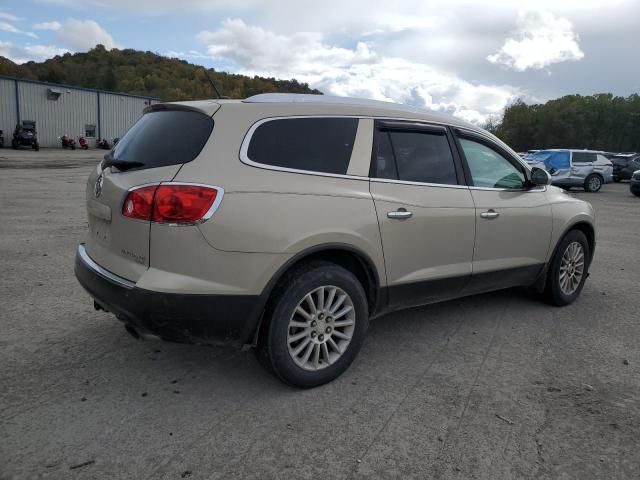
{"x": 68, "y": 142}
{"x": 83, "y": 143}
{"x": 104, "y": 144}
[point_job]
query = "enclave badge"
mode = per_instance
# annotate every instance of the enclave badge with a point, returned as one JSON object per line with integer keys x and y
{"x": 97, "y": 189}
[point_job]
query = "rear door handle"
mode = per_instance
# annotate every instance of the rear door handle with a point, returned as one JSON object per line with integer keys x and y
{"x": 400, "y": 214}
{"x": 490, "y": 214}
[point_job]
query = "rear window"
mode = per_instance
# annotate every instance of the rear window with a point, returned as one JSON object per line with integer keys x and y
{"x": 313, "y": 144}
{"x": 423, "y": 157}
{"x": 584, "y": 157}
{"x": 168, "y": 137}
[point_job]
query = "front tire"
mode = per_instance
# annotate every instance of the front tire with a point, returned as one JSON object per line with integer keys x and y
{"x": 315, "y": 326}
{"x": 568, "y": 270}
{"x": 592, "y": 183}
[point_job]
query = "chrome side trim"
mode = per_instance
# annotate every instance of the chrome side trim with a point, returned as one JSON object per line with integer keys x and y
{"x": 523, "y": 190}
{"x": 421, "y": 184}
{"x": 106, "y": 274}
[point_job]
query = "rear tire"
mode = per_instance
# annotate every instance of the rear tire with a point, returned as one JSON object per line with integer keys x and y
{"x": 568, "y": 270}
{"x": 593, "y": 183}
{"x": 301, "y": 342}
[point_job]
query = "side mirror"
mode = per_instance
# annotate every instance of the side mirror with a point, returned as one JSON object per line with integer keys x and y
{"x": 540, "y": 176}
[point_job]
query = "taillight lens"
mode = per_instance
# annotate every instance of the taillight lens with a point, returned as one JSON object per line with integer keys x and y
{"x": 170, "y": 203}
{"x": 139, "y": 203}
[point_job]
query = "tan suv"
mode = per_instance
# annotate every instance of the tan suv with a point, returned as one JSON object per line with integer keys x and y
{"x": 286, "y": 222}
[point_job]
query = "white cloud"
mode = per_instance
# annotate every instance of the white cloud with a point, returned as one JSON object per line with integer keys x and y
{"x": 357, "y": 72}
{"x": 541, "y": 39}
{"x": 82, "y": 35}
{"x": 22, "y": 54}
{"x": 7, "y": 27}
{"x": 9, "y": 16}
{"x": 47, "y": 26}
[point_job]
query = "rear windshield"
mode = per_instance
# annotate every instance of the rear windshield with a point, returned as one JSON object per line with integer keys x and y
{"x": 158, "y": 139}
{"x": 312, "y": 144}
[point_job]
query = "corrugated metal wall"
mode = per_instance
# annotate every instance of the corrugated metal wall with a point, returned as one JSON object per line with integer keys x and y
{"x": 7, "y": 109}
{"x": 70, "y": 113}
{"x": 118, "y": 113}
{"x": 67, "y": 115}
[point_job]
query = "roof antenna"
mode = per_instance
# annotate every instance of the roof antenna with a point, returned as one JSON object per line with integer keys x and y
{"x": 212, "y": 84}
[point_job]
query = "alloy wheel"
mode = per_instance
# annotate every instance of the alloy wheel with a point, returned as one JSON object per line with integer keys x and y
{"x": 321, "y": 327}
{"x": 594, "y": 184}
{"x": 572, "y": 268}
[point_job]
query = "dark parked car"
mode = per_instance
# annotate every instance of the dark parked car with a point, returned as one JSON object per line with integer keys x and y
{"x": 624, "y": 164}
{"x": 25, "y": 135}
{"x": 635, "y": 183}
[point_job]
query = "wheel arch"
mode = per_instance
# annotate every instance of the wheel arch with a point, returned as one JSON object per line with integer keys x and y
{"x": 582, "y": 225}
{"x": 347, "y": 256}
{"x": 585, "y": 227}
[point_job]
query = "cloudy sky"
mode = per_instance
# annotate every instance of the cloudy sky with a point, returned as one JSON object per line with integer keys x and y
{"x": 465, "y": 57}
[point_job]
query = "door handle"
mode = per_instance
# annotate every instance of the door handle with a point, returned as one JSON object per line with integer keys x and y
{"x": 400, "y": 214}
{"x": 490, "y": 214}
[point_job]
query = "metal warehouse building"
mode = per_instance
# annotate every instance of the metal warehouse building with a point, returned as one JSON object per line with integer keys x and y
{"x": 63, "y": 109}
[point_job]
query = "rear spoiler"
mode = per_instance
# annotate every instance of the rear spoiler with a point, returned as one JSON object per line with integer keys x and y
{"x": 207, "y": 107}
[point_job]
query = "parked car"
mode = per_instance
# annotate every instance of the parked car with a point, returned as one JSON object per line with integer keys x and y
{"x": 574, "y": 168}
{"x": 624, "y": 164}
{"x": 25, "y": 135}
{"x": 266, "y": 224}
{"x": 635, "y": 183}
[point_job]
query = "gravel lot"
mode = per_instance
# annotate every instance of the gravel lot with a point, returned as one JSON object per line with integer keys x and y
{"x": 490, "y": 386}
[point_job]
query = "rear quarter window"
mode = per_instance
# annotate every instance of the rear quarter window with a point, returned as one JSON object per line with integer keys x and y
{"x": 166, "y": 137}
{"x": 321, "y": 145}
{"x": 584, "y": 157}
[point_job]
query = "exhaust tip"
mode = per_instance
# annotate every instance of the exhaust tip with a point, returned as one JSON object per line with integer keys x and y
{"x": 132, "y": 331}
{"x": 98, "y": 307}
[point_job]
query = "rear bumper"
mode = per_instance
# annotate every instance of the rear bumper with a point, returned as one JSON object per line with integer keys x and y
{"x": 203, "y": 319}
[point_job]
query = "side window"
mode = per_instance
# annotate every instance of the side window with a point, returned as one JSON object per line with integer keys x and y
{"x": 491, "y": 169}
{"x": 423, "y": 157}
{"x": 313, "y": 144}
{"x": 584, "y": 157}
{"x": 385, "y": 163}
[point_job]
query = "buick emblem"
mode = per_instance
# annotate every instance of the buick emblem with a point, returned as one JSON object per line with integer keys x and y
{"x": 97, "y": 189}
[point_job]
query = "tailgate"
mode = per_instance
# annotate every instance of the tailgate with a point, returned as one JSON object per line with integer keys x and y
{"x": 152, "y": 151}
{"x": 117, "y": 243}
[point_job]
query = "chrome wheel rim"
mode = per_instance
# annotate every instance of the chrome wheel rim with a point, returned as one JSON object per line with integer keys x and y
{"x": 571, "y": 268}
{"x": 321, "y": 327}
{"x": 594, "y": 183}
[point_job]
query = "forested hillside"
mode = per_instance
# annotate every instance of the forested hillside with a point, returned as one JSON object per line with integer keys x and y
{"x": 599, "y": 122}
{"x": 145, "y": 73}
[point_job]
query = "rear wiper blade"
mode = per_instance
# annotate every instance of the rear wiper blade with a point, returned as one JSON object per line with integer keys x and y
{"x": 123, "y": 165}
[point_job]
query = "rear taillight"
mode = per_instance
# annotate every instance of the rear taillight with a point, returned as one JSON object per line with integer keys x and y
{"x": 172, "y": 203}
{"x": 139, "y": 202}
